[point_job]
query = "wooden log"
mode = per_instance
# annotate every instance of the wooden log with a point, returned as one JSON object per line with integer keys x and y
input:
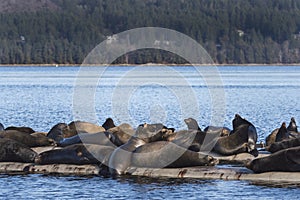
{"x": 24, "y": 168}
{"x": 241, "y": 158}
{"x": 14, "y": 167}
{"x": 217, "y": 173}
{"x": 81, "y": 170}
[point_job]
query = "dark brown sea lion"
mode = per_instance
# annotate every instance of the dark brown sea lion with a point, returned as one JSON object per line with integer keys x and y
{"x": 282, "y": 133}
{"x": 277, "y": 146}
{"x": 287, "y": 160}
{"x": 120, "y": 159}
{"x": 242, "y": 139}
{"x": 163, "y": 154}
{"x": 27, "y": 139}
{"x": 292, "y": 125}
{"x": 108, "y": 124}
{"x": 56, "y": 132}
{"x": 76, "y": 127}
{"x": 13, "y": 151}
{"x": 102, "y": 138}
{"x": 192, "y": 124}
{"x": 1, "y": 127}
{"x": 291, "y": 130}
{"x": 23, "y": 129}
{"x": 78, "y": 154}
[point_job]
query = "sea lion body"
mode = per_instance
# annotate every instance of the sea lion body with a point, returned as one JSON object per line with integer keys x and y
{"x": 23, "y": 129}
{"x": 102, "y": 138}
{"x": 287, "y": 160}
{"x": 223, "y": 131}
{"x": 122, "y": 133}
{"x": 76, "y": 154}
{"x": 120, "y": 159}
{"x": 242, "y": 139}
{"x": 277, "y": 146}
{"x": 13, "y": 151}
{"x": 152, "y": 132}
{"x": 286, "y": 133}
{"x": 163, "y": 154}
{"x": 27, "y": 139}
{"x": 56, "y": 132}
{"x": 193, "y": 140}
{"x": 76, "y": 127}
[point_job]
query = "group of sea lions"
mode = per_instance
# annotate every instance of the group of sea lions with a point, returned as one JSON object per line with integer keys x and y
{"x": 116, "y": 148}
{"x": 284, "y": 145}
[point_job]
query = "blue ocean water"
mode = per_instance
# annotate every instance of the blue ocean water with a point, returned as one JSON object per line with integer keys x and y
{"x": 41, "y": 97}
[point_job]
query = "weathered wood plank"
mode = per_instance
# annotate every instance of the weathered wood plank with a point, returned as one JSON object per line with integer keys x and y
{"x": 217, "y": 173}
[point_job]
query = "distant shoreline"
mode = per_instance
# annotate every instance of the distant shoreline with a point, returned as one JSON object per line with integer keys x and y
{"x": 148, "y": 64}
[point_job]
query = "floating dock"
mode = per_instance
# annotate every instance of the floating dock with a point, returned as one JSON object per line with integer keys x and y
{"x": 229, "y": 168}
{"x": 216, "y": 172}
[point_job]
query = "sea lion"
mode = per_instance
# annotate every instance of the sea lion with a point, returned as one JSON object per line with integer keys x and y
{"x": 56, "y": 132}
{"x": 102, "y": 138}
{"x": 163, "y": 154}
{"x": 23, "y": 129}
{"x": 27, "y": 139}
{"x": 277, "y": 146}
{"x": 287, "y": 160}
{"x": 282, "y": 133}
{"x": 242, "y": 139}
{"x": 291, "y": 130}
{"x": 193, "y": 138}
{"x": 1, "y": 127}
{"x": 223, "y": 131}
{"x": 152, "y": 132}
{"x": 122, "y": 133}
{"x": 78, "y": 154}
{"x": 270, "y": 139}
{"x": 192, "y": 124}
{"x": 292, "y": 125}
{"x": 108, "y": 124}
{"x": 13, "y": 151}
{"x": 76, "y": 127}
{"x": 120, "y": 159}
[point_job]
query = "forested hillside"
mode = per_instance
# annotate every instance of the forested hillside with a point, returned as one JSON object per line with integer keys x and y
{"x": 232, "y": 31}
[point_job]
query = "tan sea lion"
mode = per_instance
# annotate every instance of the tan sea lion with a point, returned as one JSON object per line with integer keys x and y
{"x": 122, "y": 133}
{"x": 76, "y": 127}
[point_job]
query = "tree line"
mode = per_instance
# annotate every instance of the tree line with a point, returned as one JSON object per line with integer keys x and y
{"x": 232, "y": 31}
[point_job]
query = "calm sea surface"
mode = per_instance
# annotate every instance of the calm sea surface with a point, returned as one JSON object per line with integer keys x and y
{"x": 41, "y": 97}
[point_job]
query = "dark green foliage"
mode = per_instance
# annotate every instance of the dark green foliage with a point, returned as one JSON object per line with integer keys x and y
{"x": 232, "y": 31}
